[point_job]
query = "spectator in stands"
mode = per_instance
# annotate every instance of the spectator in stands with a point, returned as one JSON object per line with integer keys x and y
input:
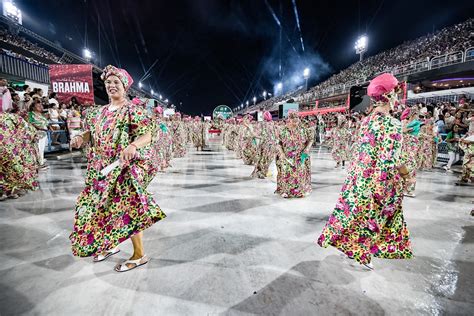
{"x": 448, "y": 121}
{"x": 452, "y": 139}
{"x": 53, "y": 114}
{"x": 64, "y": 112}
{"x": 74, "y": 124}
{"x": 40, "y": 122}
{"x": 440, "y": 124}
{"x": 5, "y": 96}
{"x": 52, "y": 98}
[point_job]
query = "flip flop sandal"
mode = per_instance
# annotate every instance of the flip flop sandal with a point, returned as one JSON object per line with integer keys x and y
{"x": 101, "y": 257}
{"x": 122, "y": 267}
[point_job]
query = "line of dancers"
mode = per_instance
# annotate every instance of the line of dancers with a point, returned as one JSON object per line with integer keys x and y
{"x": 127, "y": 147}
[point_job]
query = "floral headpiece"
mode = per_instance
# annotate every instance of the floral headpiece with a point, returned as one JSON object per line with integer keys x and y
{"x": 122, "y": 74}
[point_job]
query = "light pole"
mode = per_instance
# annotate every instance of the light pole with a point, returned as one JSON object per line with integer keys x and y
{"x": 361, "y": 46}
{"x": 279, "y": 88}
{"x": 87, "y": 54}
{"x": 254, "y": 100}
{"x": 264, "y": 95}
{"x": 306, "y": 76}
{"x": 247, "y": 103}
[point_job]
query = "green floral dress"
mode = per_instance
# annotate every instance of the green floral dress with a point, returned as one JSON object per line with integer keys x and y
{"x": 294, "y": 170}
{"x": 115, "y": 207}
{"x": 368, "y": 218}
{"x": 18, "y": 154}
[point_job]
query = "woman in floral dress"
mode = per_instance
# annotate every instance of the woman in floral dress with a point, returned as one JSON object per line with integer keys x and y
{"x": 425, "y": 151}
{"x": 341, "y": 142}
{"x": 411, "y": 130}
{"x": 116, "y": 206}
{"x": 267, "y": 147}
{"x": 179, "y": 136}
{"x": 198, "y": 133}
{"x": 368, "y": 218}
{"x": 248, "y": 141}
{"x": 294, "y": 163}
{"x": 18, "y": 156}
{"x": 162, "y": 142}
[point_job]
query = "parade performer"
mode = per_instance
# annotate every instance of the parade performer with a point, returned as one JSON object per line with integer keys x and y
{"x": 198, "y": 133}
{"x": 116, "y": 206}
{"x": 411, "y": 130}
{"x": 267, "y": 147}
{"x": 249, "y": 141}
{"x": 425, "y": 150}
{"x": 341, "y": 142}
{"x": 18, "y": 156}
{"x": 179, "y": 136}
{"x": 368, "y": 218}
{"x": 294, "y": 163}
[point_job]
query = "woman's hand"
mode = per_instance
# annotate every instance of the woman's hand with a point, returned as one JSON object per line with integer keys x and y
{"x": 128, "y": 153}
{"x": 76, "y": 142}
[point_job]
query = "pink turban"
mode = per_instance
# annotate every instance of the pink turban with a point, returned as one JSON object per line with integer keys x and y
{"x": 405, "y": 114}
{"x": 136, "y": 101}
{"x": 381, "y": 85}
{"x": 267, "y": 116}
{"x": 178, "y": 114}
{"x": 122, "y": 74}
{"x": 159, "y": 110}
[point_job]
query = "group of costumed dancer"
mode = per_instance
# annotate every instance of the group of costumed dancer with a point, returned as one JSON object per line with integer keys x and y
{"x": 127, "y": 146}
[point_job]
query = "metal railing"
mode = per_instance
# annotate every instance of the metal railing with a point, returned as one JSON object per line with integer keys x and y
{"x": 21, "y": 68}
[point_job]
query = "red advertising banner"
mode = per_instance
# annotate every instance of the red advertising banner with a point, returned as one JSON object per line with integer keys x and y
{"x": 72, "y": 81}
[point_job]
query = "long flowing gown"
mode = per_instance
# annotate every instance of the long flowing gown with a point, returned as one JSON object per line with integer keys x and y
{"x": 294, "y": 169}
{"x": 249, "y": 144}
{"x": 341, "y": 138}
{"x": 18, "y": 154}
{"x": 115, "y": 207}
{"x": 368, "y": 218}
{"x": 179, "y": 139}
{"x": 409, "y": 156}
{"x": 266, "y": 150}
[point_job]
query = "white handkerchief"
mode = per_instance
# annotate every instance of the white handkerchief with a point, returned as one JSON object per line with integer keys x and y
{"x": 110, "y": 167}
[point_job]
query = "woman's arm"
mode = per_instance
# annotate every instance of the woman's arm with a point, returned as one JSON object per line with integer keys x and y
{"x": 129, "y": 153}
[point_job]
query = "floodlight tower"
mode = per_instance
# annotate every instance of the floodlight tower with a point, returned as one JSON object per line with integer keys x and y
{"x": 306, "y": 77}
{"x": 361, "y": 46}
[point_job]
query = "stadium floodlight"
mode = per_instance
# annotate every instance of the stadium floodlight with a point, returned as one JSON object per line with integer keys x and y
{"x": 87, "y": 54}
{"x": 247, "y": 103}
{"x": 361, "y": 45}
{"x": 241, "y": 105}
{"x": 152, "y": 92}
{"x": 306, "y": 76}
{"x": 161, "y": 97}
{"x": 254, "y": 100}
{"x": 166, "y": 101}
{"x": 140, "y": 85}
{"x": 306, "y": 73}
{"x": 264, "y": 95}
{"x": 12, "y": 12}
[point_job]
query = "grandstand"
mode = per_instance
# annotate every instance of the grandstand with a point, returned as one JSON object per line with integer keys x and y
{"x": 447, "y": 53}
{"x": 25, "y": 56}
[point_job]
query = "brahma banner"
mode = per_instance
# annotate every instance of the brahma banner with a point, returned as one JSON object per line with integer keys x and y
{"x": 72, "y": 81}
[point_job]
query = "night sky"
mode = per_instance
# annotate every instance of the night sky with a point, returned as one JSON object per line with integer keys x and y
{"x": 213, "y": 52}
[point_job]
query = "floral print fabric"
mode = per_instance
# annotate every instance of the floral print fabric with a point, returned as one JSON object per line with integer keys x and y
{"x": 111, "y": 209}
{"x": 368, "y": 218}
{"x": 266, "y": 150}
{"x": 18, "y": 154}
{"x": 294, "y": 170}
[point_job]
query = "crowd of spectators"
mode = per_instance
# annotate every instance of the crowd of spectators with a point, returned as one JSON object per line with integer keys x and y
{"x": 22, "y": 42}
{"x": 24, "y": 58}
{"x": 451, "y": 39}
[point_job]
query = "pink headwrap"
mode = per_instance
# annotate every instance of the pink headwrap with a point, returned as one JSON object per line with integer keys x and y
{"x": 159, "y": 110}
{"x": 122, "y": 74}
{"x": 136, "y": 101}
{"x": 267, "y": 116}
{"x": 381, "y": 85}
{"x": 405, "y": 114}
{"x": 178, "y": 114}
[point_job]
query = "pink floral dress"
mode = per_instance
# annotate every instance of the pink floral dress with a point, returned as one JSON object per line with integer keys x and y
{"x": 294, "y": 169}
{"x": 115, "y": 207}
{"x": 18, "y": 154}
{"x": 368, "y": 218}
